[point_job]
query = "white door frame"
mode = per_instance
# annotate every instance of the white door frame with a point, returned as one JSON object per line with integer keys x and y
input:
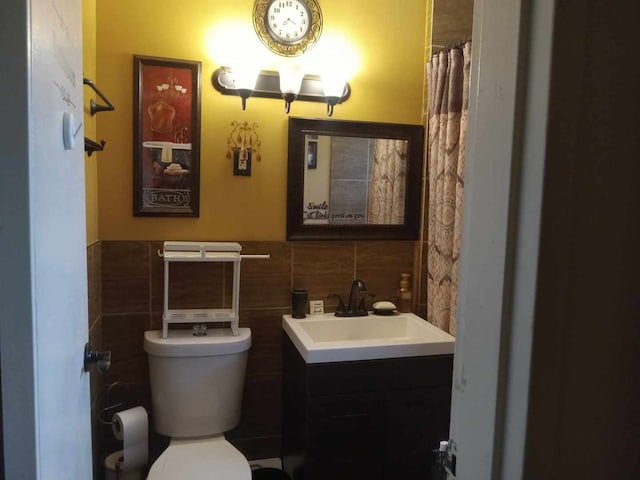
{"x": 510, "y": 76}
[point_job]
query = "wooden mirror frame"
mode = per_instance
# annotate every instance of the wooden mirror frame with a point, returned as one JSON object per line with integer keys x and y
{"x": 300, "y": 127}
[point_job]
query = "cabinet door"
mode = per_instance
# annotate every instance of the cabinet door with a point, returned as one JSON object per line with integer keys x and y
{"x": 346, "y": 437}
{"x": 417, "y": 421}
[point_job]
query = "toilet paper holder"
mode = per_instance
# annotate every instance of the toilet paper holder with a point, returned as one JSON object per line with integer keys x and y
{"x": 101, "y": 359}
{"x": 106, "y": 410}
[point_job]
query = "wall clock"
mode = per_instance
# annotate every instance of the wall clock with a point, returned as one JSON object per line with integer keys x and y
{"x": 288, "y": 27}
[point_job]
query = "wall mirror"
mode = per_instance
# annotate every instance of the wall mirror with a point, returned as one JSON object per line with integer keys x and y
{"x": 353, "y": 180}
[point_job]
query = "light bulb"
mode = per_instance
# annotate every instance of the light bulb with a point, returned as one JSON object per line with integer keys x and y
{"x": 245, "y": 76}
{"x": 333, "y": 86}
{"x": 290, "y": 79}
{"x": 290, "y": 83}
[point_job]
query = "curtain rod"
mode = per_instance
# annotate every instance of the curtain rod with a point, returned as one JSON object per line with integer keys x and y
{"x": 452, "y": 46}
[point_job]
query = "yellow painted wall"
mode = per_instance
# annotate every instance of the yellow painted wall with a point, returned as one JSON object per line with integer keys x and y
{"x": 91, "y": 163}
{"x": 389, "y": 38}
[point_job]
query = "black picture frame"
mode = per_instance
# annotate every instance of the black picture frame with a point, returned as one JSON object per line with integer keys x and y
{"x": 166, "y": 137}
{"x": 299, "y": 128}
{"x": 312, "y": 154}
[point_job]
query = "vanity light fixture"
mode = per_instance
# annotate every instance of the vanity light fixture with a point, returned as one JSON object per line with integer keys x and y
{"x": 245, "y": 81}
{"x": 333, "y": 85}
{"x": 288, "y": 84}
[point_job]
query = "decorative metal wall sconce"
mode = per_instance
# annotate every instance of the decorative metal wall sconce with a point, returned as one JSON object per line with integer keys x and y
{"x": 269, "y": 84}
{"x": 243, "y": 144}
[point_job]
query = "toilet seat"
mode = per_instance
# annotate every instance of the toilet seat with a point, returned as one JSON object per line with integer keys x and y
{"x": 209, "y": 458}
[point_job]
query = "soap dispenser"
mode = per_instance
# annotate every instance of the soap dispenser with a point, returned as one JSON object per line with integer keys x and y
{"x": 404, "y": 294}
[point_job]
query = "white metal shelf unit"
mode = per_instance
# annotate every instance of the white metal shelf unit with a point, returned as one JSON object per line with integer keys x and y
{"x": 203, "y": 252}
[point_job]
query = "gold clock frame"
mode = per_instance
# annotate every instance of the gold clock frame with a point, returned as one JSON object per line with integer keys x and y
{"x": 260, "y": 8}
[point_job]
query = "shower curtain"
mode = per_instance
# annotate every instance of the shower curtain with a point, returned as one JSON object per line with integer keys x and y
{"x": 388, "y": 187}
{"x": 448, "y": 79}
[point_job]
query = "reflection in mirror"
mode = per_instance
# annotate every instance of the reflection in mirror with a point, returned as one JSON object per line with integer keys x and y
{"x": 353, "y": 180}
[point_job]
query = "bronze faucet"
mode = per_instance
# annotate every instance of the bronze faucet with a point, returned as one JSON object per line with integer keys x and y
{"x": 355, "y": 307}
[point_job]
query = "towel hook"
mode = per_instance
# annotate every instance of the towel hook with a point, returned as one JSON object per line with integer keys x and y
{"x": 96, "y": 107}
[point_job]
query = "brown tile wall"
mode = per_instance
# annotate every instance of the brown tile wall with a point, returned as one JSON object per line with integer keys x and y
{"x": 421, "y": 296}
{"x": 452, "y": 21}
{"x": 94, "y": 283}
{"x": 132, "y": 302}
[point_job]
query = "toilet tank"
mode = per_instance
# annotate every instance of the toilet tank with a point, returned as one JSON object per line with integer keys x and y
{"x": 196, "y": 381}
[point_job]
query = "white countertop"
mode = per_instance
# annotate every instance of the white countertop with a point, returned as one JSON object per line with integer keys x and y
{"x": 327, "y": 338}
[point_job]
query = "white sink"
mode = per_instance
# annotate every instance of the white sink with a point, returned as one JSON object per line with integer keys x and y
{"x": 327, "y": 338}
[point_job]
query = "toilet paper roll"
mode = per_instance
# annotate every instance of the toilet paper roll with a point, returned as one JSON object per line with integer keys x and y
{"x": 132, "y": 427}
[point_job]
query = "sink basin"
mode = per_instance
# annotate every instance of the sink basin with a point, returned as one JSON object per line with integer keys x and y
{"x": 327, "y": 338}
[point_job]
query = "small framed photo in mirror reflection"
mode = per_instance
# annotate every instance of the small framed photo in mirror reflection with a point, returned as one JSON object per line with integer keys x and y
{"x": 312, "y": 154}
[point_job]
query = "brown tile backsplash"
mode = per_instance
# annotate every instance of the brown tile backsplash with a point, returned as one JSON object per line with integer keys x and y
{"x": 94, "y": 283}
{"x": 125, "y": 277}
{"x": 379, "y": 265}
{"x": 323, "y": 268}
{"x": 123, "y": 333}
{"x": 156, "y": 269}
{"x": 196, "y": 285}
{"x": 94, "y": 310}
{"x": 133, "y": 370}
{"x": 227, "y": 288}
{"x": 126, "y": 298}
{"x": 95, "y": 340}
{"x": 452, "y": 21}
{"x": 156, "y": 321}
{"x": 266, "y": 283}
{"x": 422, "y": 293}
{"x": 265, "y": 324}
{"x": 266, "y": 339}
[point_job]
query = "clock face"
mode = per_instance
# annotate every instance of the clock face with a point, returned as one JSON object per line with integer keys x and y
{"x": 288, "y": 27}
{"x": 288, "y": 21}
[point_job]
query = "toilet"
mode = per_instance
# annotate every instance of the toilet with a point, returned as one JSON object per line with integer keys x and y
{"x": 196, "y": 393}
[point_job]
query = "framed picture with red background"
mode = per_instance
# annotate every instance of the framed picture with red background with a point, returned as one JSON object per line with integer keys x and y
{"x": 166, "y": 151}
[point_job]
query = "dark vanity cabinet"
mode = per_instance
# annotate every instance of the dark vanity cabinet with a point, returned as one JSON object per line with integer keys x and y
{"x": 373, "y": 419}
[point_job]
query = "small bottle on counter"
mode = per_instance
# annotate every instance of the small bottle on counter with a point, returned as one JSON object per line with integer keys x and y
{"x": 404, "y": 294}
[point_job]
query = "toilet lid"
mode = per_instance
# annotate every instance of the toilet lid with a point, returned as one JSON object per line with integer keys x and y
{"x": 200, "y": 459}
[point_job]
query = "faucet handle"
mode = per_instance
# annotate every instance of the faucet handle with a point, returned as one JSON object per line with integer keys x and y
{"x": 341, "y": 307}
{"x": 362, "y": 306}
{"x": 371, "y": 296}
